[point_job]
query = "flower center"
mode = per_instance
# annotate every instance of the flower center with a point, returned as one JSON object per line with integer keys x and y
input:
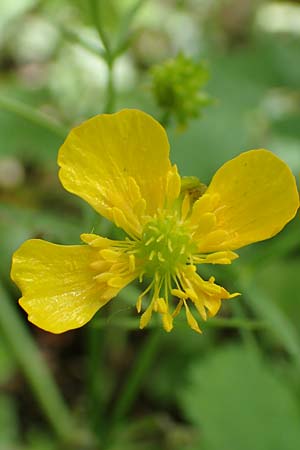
{"x": 165, "y": 245}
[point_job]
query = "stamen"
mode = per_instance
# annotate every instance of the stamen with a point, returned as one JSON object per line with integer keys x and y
{"x": 223, "y": 257}
{"x": 213, "y": 305}
{"x": 177, "y": 309}
{"x": 173, "y": 184}
{"x": 167, "y": 322}
{"x": 191, "y": 319}
{"x": 100, "y": 266}
{"x": 120, "y": 267}
{"x": 214, "y": 238}
{"x": 109, "y": 254}
{"x": 161, "y": 305}
{"x": 200, "y": 308}
{"x": 191, "y": 294}
{"x": 185, "y": 207}
{"x": 152, "y": 239}
{"x": 131, "y": 263}
{"x": 153, "y": 228}
{"x": 152, "y": 254}
{"x": 116, "y": 282}
{"x": 178, "y": 293}
{"x": 140, "y": 298}
{"x": 160, "y": 257}
{"x": 102, "y": 277}
{"x": 146, "y": 316}
{"x": 139, "y": 303}
{"x": 96, "y": 241}
{"x": 141, "y": 276}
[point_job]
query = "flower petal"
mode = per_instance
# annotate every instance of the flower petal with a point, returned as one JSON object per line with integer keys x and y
{"x": 58, "y": 285}
{"x": 254, "y": 196}
{"x": 119, "y": 163}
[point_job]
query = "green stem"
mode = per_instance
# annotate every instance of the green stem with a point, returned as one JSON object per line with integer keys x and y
{"x": 110, "y": 100}
{"x": 109, "y": 55}
{"x": 94, "y": 372}
{"x": 95, "y": 6}
{"x": 32, "y": 115}
{"x": 73, "y": 36}
{"x": 123, "y": 39}
{"x": 136, "y": 376}
{"x": 35, "y": 369}
{"x": 96, "y": 353}
{"x": 132, "y": 323}
{"x": 246, "y": 333}
{"x": 133, "y": 383}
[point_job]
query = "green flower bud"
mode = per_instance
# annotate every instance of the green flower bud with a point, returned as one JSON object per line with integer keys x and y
{"x": 177, "y": 88}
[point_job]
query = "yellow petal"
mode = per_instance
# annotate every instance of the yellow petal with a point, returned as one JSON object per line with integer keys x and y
{"x": 119, "y": 163}
{"x": 58, "y": 286}
{"x": 257, "y": 195}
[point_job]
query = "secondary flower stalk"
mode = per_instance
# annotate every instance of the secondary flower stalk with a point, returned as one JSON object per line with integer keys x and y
{"x": 120, "y": 165}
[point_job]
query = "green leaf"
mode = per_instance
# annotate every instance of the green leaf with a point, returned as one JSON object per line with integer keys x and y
{"x": 8, "y": 422}
{"x": 281, "y": 283}
{"x": 237, "y": 402}
{"x": 7, "y": 364}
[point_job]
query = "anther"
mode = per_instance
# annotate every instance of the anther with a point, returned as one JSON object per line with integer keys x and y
{"x": 103, "y": 277}
{"x": 160, "y": 257}
{"x": 153, "y": 228}
{"x": 149, "y": 241}
{"x": 131, "y": 263}
{"x": 160, "y": 238}
{"x": 139, "y": 304}
{"x": 141, "y": 277}
{"x": 178, "y": 293}
{"x": 151, "y": 256}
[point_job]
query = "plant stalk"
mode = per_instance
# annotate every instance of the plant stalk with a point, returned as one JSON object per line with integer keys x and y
{"x": 35, "y": 369}
{"x": 32, "y": 115}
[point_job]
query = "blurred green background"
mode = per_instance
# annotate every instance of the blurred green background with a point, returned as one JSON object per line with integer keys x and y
{"x": 238, "y": 385}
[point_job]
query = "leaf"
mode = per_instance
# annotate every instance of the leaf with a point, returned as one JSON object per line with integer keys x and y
{"x": 281, "y": 282}
{"x": 7, "y": 364}
{"x": 237, "y": 402}
{"x": 8, "y": 422}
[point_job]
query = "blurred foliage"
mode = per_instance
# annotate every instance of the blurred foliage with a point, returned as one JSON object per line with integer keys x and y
{"x": 230, "y": 388}
{"x": 236, "y": 401}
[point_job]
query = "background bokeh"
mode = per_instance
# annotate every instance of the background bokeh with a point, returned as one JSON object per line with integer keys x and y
{"x": 238, "y": 385}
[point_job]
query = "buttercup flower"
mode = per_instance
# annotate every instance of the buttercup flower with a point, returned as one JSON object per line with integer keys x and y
{"x": 120, "y": 165}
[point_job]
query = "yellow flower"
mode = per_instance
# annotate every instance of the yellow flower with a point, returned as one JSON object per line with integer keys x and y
{"x": 120, "y": 165}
